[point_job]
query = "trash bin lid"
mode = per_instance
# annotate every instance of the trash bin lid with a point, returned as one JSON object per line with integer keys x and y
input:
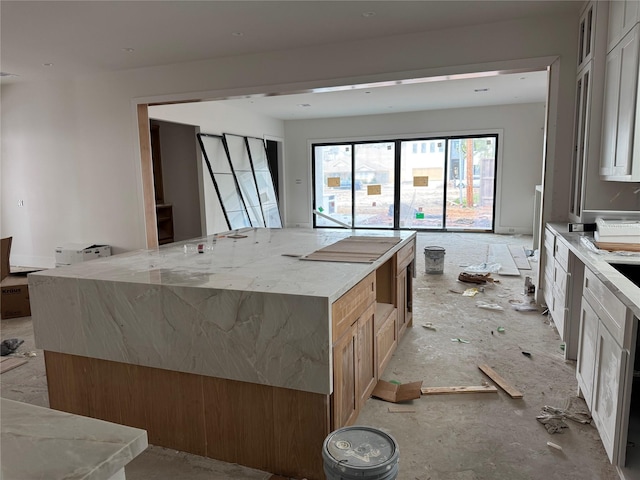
{"x": 361, "y": 447}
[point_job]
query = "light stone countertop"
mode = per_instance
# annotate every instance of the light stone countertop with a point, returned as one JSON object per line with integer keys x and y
{"x": 242, "y": 310}
{"x": 263, "y": 262}
{"x": 41, "y": 443}
{"x": 599, "y": 263}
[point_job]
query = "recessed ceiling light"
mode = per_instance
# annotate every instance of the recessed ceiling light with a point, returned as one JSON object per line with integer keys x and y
{"x": 47, "y": 64}
{"x": 128, "y": 49}
{"x": 481, "y": 90}
{"x": 237, "y": 34}
{"x": 368, "y": 14}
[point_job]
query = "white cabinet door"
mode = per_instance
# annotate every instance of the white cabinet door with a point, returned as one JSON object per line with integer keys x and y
{"x": 587, "y": 351}
{"x": 608, "y": 393}
{"x": 623, "y": 15}
{"x": 580, "y": 140}
{"x": 586, "y": 32}
{"x": 619, "y": 112}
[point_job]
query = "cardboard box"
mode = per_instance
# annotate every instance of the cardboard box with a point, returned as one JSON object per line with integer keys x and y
{"x": 14, "y": 297}
{"x": 395, "y": 393}
{"x": 71, "y": 253}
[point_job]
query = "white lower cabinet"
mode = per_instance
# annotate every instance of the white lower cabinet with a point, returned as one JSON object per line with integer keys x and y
{"x": 604, "y": 370}
{"x": 608, "y": 392}
{"x": 586, "y": 364}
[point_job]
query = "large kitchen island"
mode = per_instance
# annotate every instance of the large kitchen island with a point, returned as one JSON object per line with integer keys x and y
{"x": 248, "y": 352}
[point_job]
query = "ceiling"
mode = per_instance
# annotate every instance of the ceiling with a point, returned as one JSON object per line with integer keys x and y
{"x": 48, "y": 40}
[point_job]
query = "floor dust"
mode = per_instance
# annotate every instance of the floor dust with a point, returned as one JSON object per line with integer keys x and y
{"x": 481, "y": 436}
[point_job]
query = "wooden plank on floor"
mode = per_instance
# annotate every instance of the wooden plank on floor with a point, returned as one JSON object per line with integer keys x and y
{"x": 401, "y": 409}
{"x": 9, "y": 363}
{"x": 499, "y": 253}
{"x": 447, "y": 390}
{"x": 502, "y": 383}
{"x": 519, "y": 257}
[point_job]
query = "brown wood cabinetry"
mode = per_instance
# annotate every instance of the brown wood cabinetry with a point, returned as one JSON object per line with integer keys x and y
{"x": 345, "y": 397}
{"x": 404, "y": 286}
{"x": 164, "y": 216}
{"x": 367, "y": 322}
{"x": 366, "y": 367}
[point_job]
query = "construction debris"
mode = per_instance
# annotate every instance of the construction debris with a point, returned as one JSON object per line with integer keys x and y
{"x": 480, "y": 278}
{"x": 553, "y": 423}
{"x": 395, "y": 393}
{"x": 448, "y": 390}
{"x": 501, "y": 382}
{"x": 9, "y": 346}
{"x": 402, "y": 410}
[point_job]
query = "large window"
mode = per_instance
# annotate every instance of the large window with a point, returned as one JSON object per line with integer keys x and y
{"x": 445, "y": 183}
{"x": 239, "y": 170}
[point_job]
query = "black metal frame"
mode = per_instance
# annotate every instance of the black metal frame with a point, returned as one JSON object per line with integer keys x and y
{"x": 397, "y": 163}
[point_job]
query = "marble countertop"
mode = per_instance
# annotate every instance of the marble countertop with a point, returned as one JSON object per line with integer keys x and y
{"x": 265, "y": 261}
{"x": 244, "y": 310}
{"x": 598, "y": 261}
{"x": 41, "y": 443}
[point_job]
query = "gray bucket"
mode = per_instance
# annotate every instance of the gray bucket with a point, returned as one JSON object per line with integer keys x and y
{"x": 433, "y": 260}
{"x": 360, "y": 453}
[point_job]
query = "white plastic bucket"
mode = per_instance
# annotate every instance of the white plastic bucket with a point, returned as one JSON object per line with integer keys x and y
{"x": 434, "y": 260}
{"x": 360, "y": 453}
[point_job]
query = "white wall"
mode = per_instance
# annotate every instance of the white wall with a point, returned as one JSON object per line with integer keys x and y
{"x": 520, "y": 147}
{"x": 71, "y": 149}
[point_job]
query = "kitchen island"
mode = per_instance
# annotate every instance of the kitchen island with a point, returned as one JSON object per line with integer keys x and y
{"x": 246, "y": 353}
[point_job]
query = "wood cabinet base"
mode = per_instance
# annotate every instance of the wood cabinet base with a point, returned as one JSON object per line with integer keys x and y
{"x": 273, "y": 429}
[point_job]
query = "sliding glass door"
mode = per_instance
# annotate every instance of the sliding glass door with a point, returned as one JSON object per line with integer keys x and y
{"x": 471, "y": 173}
{"x": 422, "y": 184}
{"x": 445, "y": 183}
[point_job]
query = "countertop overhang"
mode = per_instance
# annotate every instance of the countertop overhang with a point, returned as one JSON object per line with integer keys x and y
{"x": 244, "y": 310}
{"x": 599, "y": 262}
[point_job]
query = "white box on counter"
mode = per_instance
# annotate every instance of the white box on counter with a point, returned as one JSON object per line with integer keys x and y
{"x": 71, "y": 253}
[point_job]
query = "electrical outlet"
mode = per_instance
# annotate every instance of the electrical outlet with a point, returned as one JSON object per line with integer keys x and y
{"x": 512, "y": 230}
{"x": 21, "y": 203}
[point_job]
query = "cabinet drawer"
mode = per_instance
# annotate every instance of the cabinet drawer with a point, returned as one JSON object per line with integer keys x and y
{"x": 549, "y": 240}
{"x": 560, "y": 278}
{"x": 549, "y": 264}
{"x": 352, "y": 304}
{"x": 548, "y": 292}
{"x": 561, "y": 254}
{"x": 611, "y": 311}
{"x": 405, "y": 255}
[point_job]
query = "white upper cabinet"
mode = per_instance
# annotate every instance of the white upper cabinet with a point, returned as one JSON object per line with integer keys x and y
{"x": 620, "y": 153}
{"x": 623, "y": 15}
{"x": 586, "y": 40}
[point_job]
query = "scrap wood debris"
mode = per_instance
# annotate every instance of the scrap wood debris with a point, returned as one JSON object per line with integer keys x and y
{"x": 479, "y": 278}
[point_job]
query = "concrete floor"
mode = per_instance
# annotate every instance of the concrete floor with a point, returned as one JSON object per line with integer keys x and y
{"x": 449, "y": 437}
